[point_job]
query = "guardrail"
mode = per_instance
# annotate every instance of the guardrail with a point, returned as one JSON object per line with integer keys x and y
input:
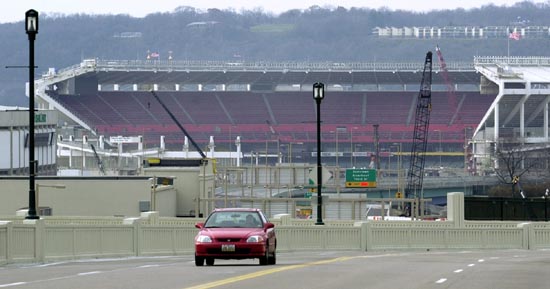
{"x": 198, "y": 65}
{"x": 513, "y": 60}
{"x": 33, "y": 241}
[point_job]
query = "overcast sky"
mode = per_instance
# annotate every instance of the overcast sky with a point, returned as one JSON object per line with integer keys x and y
{"x": 15, "y": 10}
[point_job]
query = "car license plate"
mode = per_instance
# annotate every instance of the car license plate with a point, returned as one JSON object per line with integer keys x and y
{"x": 228, "y": 248}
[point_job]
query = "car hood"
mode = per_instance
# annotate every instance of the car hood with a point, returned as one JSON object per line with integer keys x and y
{"x": 232, "y": 233}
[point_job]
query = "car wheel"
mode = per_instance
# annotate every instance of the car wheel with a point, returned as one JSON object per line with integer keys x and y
{"x": 273, "y": 258}
{"x": 265, "y": 259}
{"x": 210, "y": 261}
{"x": 199, "y": 261}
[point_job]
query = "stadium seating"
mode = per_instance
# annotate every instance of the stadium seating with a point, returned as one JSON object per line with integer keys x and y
{"x": 258, "y": 116}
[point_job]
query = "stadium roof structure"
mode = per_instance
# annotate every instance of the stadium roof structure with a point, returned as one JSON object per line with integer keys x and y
{"x": 520, "y": 109}
{"x": 263, "y": 76}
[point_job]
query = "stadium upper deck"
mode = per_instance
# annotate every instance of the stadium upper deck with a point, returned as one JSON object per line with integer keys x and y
{"x": 263, "y": 101}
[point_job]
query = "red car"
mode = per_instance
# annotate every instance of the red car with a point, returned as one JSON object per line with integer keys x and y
{"x": 235, "y": 233}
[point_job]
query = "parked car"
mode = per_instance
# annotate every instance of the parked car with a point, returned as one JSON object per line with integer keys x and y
{"x": 235, "y": 233}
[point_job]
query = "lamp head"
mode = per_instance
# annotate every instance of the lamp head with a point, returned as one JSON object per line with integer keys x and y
{"x": 31, "y": 21}
{"x": 318, "y": 91}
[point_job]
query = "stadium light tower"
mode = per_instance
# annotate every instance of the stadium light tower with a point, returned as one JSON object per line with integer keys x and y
{"x": 31, "y": 27}
{"x": 318, "y": 95}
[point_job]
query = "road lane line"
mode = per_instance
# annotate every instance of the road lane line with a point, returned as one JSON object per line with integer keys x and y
{"x": 88, "y": 273}
{"x": 458, "y": 271}
{"x": 442, "y": 280}
{"x": 12, "y": 284}
{"x": 481, "y": 260}
{"x": 471, "y": 265}
{"x": 149, "y": 266}
{"x": 266, "y": 272}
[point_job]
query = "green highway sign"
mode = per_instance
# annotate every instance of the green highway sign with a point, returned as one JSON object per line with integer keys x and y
{"x": 40, "y": 118}
{"x": 360, "y": 178}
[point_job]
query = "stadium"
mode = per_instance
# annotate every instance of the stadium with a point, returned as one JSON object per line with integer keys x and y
{"x": 270, "y": 106}
{"x": 263, "y": 112}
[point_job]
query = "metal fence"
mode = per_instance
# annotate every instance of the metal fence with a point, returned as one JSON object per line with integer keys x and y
{"x": 506, "y": 209}
{"x": 219, "y": 65}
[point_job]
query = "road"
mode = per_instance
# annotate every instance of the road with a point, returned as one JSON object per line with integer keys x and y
{"x": 321, "y": 270}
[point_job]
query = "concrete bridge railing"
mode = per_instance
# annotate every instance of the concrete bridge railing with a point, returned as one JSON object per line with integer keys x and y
{"x": 45, "y": 240}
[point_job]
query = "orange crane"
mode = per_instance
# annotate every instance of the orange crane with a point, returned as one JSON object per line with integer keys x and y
{"x": 450, "y": 87}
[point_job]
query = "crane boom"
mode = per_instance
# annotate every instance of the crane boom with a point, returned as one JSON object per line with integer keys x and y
{"x": 420, "y": 137}
{"x": 178, "y": 124}
{"x": 98, "y": 160}
{"x": 453, "y": 104}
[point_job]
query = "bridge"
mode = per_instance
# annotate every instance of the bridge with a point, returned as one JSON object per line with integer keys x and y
{"x": 57, "y": 238}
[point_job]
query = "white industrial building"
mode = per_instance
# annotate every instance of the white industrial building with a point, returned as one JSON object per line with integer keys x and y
{"x": 14, "y": 132}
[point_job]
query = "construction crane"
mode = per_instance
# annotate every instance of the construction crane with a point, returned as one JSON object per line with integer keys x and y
{"x": 420, "y": 138}
{"x": 453, "y": 104}
{"x": 98, "y": 160}
{"x": 178, "y": 124}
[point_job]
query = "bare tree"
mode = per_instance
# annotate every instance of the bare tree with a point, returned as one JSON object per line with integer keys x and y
{"x": 515, "y": 161}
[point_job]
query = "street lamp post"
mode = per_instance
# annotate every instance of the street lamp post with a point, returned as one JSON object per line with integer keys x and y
{"x": 318, "y": 95}
{"x": 31, "y": 27}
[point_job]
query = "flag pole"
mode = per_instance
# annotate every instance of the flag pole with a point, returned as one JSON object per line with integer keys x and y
{"x": 508, "y": 40}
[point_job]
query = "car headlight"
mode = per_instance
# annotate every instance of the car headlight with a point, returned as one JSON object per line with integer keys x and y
{"x": 255, "y": 239}
{"x": 204, "y": 239}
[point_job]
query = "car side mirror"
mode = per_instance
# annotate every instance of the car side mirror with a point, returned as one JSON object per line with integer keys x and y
{"x": 199, "y": 225}
{"x": 268, "y": 225}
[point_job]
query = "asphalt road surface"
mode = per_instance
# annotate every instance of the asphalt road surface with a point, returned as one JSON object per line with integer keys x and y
{"x": 320, "y": 270}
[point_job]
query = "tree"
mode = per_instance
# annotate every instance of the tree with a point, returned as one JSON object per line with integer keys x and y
{"x": 514, "y": 161}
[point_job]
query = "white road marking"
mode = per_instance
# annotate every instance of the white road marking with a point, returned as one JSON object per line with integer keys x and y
{"x": 471, "y": 265}
{"x": 458, "y": 271}
{"x": 481, "y": 260}
{"x": 442, "y": 280}
{"x": 12, "y": 284}
{"x": 88, "y": 273}
{"x": 44, "y": 265}
{"x": 149, "y": 266}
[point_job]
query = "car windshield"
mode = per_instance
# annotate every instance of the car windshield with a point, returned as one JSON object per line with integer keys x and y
{"x": 227, "y": 219}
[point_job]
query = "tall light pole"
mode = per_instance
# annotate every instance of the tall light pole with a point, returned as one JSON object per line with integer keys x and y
{"x": 318, "y": 95}
{"x": 230, "y": 136}
{"x": 351, "y": 145}
{"x": 399, "y": 164}
{"x": 336, "y": 132}
{"x": 355, "y": 153}
{"x": 440, "y": 149}
{"x": 290, "y": 150}
{"x": 31, "y": 27}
